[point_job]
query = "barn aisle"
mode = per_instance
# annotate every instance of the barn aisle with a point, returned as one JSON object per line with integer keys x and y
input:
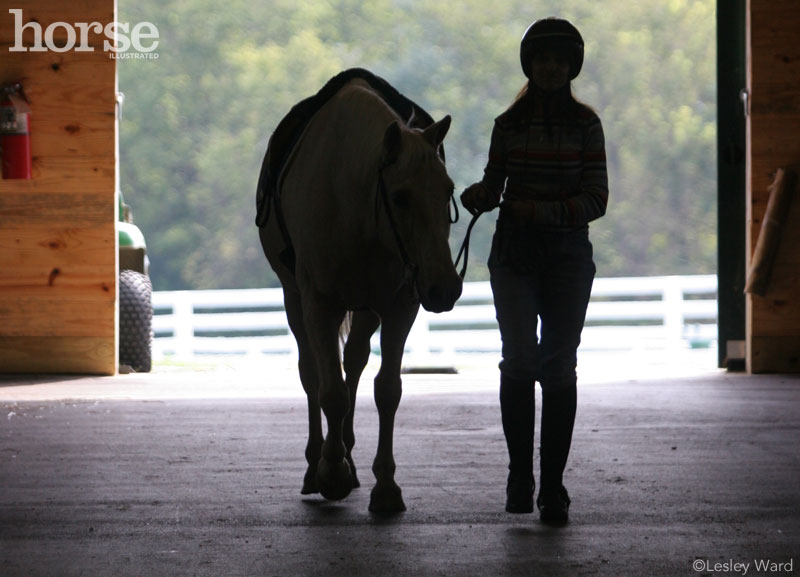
{"x": 124, "y": 476}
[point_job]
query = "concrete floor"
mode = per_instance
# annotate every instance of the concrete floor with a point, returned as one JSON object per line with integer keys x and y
{"x": 198, "y": 472}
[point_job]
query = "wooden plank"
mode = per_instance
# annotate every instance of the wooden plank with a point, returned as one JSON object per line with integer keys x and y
{"x": 84, "y": 136}
{"x": 81, "y": 355}
{"x": 48, "y": 279}
{"x": 59, "y": 314}
{"x": 52, "y": 98}
{"x": 775, "y": 354}
{"x": 775, "y": 100}
{"x": 75, "y": 209}
{"x": 57, "y": 68}
{"x": 775, "y": 50}
{"x": 78, "y": 174}
{"x": 774, "y": 316}
{"x": 775, "y": 142}
{"x": 56, "y": 245}
{"x": 66, "y": 267}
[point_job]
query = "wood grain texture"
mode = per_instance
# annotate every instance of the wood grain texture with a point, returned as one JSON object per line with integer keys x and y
{"x": 87, "y": 313}
{"x": 80, "y": 355}
{"x": 71, "y": 116}
{"x": 58, "y": 245}
{"x": 775, "y": 354}
{"x": 773, "y": 321}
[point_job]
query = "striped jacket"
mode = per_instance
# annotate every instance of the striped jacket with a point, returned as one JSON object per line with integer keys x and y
{"x": 556, "y": 167}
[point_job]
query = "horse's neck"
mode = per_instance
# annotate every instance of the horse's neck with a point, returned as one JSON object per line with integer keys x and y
{"x": 362, "y": 121}
{"x": 358, "y": 124}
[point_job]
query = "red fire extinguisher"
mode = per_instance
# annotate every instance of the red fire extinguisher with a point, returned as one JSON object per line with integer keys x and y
{"x": 15, "y": 132}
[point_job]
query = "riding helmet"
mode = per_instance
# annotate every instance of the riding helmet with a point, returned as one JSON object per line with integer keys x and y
{"x": 552, "y": 33}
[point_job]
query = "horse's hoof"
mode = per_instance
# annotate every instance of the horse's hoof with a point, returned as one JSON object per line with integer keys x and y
{"x": 334, "y": 480}
{"x": 353, "y": 473}
{"x": 309, "y": 483}
{"x": 386, "y": 500}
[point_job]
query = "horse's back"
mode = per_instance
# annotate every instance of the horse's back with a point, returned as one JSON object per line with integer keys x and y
{"x": 289, "y": 130}
{"x": 333, "y": 165}
{"x": 306, "y": 214}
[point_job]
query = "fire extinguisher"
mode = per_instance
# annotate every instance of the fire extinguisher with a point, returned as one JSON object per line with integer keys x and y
{"x": 15, "y": 132}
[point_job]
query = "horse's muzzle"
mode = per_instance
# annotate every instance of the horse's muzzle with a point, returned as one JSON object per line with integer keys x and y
{"x": 439, "y": 297}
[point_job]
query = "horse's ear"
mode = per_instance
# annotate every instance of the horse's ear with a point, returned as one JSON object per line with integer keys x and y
{"x": 392, "y": 142}
{"x": 436, "y": 132}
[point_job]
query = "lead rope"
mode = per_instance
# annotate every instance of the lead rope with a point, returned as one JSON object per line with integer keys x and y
{"x": 464, "y": 250}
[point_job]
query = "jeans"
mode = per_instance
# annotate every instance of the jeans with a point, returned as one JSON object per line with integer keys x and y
{"x": 541, "y": 275}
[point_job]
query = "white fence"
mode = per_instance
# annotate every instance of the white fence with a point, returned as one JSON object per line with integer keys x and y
{"x": 624, "y": 314}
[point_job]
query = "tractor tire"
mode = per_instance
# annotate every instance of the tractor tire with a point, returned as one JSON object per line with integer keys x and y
{"x": 135, "y": 321}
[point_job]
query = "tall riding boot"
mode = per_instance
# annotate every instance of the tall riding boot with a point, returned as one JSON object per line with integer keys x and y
{"x": 559, "y": 403}
{"x": 517, "y": 406}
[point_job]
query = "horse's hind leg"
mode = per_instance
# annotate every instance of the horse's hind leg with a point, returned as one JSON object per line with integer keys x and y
{"x": 386, "y": 496}
{"x": 310, "y": 381}
{"x": 355, "y": 357}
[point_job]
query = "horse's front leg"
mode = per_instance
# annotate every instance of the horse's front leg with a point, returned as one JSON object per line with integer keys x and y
{"x": 322, "y": 327}
{"x": 308, "y": 377}
{"x": 355, "y": 358}
{"x": 386, "y": 496}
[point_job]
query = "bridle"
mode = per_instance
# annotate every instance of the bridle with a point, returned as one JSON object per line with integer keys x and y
{"x": 411, "y": 268}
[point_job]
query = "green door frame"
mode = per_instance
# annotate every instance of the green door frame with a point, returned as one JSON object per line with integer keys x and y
{"x": 731, "y": 180}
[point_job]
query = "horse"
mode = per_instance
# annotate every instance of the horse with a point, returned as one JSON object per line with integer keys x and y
{"x": 358, "y": 240}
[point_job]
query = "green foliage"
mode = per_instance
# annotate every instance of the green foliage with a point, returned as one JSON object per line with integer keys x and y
{"x": 197, "y": 120}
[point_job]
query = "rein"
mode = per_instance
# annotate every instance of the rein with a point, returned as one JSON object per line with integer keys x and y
{"x": 411, "y": 268}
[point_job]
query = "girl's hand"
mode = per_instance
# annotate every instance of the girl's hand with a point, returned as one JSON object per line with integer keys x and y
{"x": 477, "y": 199}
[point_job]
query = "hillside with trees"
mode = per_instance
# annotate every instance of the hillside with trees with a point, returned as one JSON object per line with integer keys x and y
{"x": 197, "y": 119}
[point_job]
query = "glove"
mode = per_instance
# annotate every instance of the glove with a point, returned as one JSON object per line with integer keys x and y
{"x": 477, "y": 199}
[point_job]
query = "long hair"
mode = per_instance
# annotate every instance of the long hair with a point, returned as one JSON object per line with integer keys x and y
{"x": 559, "y": 104}
{"x": 558, "y": 107}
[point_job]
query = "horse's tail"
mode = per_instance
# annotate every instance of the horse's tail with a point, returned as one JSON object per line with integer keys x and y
{"x": 344, "y": 331}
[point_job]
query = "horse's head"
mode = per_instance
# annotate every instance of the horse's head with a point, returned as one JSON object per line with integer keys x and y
{"x": 419, "y": 192}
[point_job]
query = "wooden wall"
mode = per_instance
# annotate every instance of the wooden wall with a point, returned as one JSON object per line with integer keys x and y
{"x": 58, "y": 247}
{"x": 773, "y": 321}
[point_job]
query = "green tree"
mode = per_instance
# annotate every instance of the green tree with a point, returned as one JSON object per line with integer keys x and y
{"x": 197, "y": 119}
